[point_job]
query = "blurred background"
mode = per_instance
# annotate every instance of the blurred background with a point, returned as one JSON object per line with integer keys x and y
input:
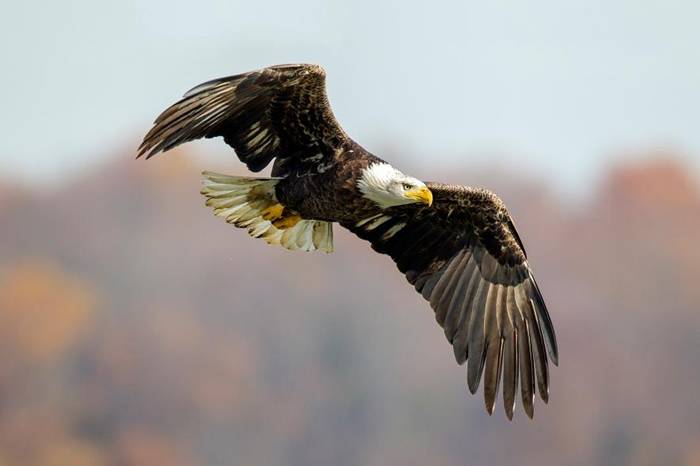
{"x": 137, "y": 329}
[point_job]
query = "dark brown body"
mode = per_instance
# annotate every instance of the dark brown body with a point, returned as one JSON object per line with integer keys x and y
{"x": 328, "y": 191}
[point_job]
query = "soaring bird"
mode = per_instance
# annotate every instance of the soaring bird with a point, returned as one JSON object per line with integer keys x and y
{"x": 456, "y": 245}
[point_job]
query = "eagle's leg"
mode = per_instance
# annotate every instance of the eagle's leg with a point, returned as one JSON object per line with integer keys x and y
{"x": 280, "y": 216}
{"x": 288, "y": 220}
{"x": 273, "y": 212}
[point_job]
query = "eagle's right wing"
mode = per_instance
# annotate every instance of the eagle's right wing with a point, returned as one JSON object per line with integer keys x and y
{"x": 465, "y": 257}
{"x": 277, "y": 112}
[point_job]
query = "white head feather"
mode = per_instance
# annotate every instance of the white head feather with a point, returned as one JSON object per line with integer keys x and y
{"x": 388, "y": 187}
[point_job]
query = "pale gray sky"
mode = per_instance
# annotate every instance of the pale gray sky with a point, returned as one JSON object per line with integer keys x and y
{"x": 555, "y": 87}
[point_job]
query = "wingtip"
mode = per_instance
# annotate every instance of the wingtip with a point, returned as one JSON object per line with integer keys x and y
{"x": 144, "y": 149}
{"x": 509, "y": 412}
{"x": 544, "y": 393}
{"x": 490, "y": 400}
{"x": 140, "y": 151}
{"x": 475, "y": 368}
{"x": 554, "y": 356}
{"x": 473, "y": 385}
{"x": 209, "y": 175}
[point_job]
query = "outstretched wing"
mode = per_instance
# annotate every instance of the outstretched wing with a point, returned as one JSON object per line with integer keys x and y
{"x": 280, "y": 111}
{"x": 465, "y": 257}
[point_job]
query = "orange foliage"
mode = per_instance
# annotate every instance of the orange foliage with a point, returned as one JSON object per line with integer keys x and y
{"x": 43, "y": 311}
{"x": 659, "y": 184}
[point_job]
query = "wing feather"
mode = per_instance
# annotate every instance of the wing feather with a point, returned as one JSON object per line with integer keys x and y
{"x": 510, "y": 371}
{"x": 527, "y": 383}
{"x": 277, "y": 112}
{"x": 475, "y": 349}
{"x": 456, "y": 309}
{"x": 465, "y": 258}
{"x": 492, "y": 372}
{"x": 460, "y": 341}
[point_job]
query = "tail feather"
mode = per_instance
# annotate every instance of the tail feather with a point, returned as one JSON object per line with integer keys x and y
{"x": 241, "y": 202}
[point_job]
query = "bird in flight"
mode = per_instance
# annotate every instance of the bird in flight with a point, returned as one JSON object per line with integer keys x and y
{"x": 456, "y": 245}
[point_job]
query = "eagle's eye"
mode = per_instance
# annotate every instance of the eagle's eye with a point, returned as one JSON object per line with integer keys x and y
{"x": 407, "y": 186}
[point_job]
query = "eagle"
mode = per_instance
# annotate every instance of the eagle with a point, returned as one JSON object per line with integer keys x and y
{"x": 456, "y": 245}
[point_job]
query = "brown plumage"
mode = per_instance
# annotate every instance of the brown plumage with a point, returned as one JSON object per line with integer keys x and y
{"x": 464, "y": 256}
{"x": 456, "y": 245}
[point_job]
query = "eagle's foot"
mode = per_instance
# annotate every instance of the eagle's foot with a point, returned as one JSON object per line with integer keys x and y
{"x": 288, "y": 221}
{"x": 273, "y": 212}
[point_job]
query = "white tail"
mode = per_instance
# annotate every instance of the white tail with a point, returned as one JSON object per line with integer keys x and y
{"x": 243, "y": 201}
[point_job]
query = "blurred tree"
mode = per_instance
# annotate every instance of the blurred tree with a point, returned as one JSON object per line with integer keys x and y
{"x": 43, "y": 311}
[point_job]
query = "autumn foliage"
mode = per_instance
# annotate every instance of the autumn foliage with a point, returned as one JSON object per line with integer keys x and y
{"x": 139, "y": 330}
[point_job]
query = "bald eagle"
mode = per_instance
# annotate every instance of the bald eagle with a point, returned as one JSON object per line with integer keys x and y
{"x": 456, "y": 245}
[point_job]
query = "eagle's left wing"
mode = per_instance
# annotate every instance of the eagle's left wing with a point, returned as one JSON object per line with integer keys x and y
{"x": 277, "y": 112}
{"x": 465, "y": 257}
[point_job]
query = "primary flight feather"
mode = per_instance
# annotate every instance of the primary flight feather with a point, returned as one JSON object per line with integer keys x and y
{"x": 456, "y": 245}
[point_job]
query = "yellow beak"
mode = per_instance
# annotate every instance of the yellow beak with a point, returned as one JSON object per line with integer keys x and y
{"x": 422, "y": 194}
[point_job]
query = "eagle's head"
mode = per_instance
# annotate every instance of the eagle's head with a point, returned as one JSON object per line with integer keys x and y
{"x": 388, "y": 187}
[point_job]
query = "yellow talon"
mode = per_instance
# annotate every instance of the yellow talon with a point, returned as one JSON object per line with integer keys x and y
{"x": 273, "y": 212}
{"x": 287, "y": 222}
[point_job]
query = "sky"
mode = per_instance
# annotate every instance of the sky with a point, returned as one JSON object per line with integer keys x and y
{"x": 559, "y": 90}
